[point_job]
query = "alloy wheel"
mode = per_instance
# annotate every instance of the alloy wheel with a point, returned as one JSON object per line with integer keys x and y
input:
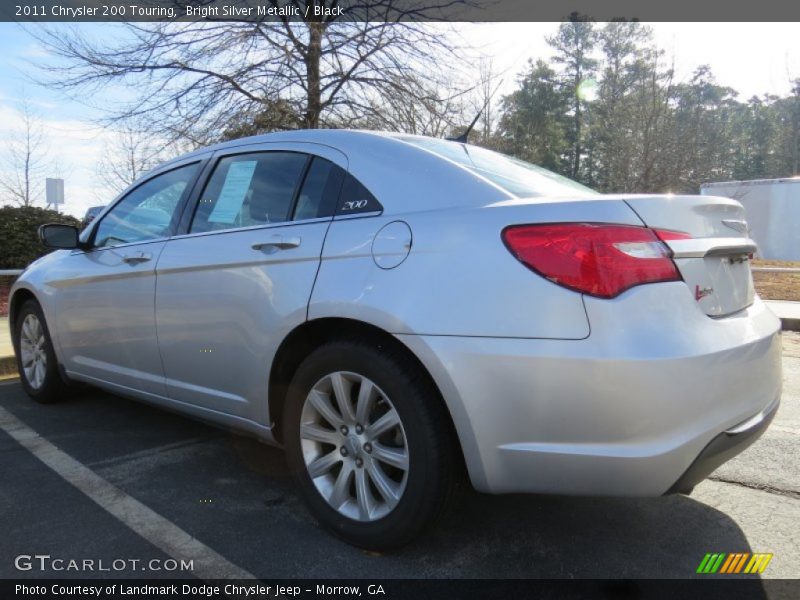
{"x": 354, "y": 446}
{"x": 32, "y": 351}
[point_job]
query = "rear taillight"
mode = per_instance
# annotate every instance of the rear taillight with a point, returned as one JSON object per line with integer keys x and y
{"x": 593, "y": 258}
{"x": 667, "y": 235}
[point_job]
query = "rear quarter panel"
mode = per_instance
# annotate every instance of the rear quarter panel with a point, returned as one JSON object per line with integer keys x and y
{"x": 459, "y": 278}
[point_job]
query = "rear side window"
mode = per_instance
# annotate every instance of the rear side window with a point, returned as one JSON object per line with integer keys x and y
{"x": 320, "y": 190}
{"x": 355, "y": 198}
{"x": 250, "y": 189}
{"x": 329, "y": 189}
{"x": 513, "y": 175}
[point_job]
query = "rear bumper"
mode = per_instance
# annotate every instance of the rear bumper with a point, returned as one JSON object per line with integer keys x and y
{"x": 625, "y": 412}
{"x": 723, "y": 448}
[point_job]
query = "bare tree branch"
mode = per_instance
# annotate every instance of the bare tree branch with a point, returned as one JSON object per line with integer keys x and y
{"x": 26, "y": 162}
{"x": 195, "y": 80}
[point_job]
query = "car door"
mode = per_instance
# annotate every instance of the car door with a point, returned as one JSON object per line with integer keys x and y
{"x": 239, "y": 278}
{"x": 105, "y": 295}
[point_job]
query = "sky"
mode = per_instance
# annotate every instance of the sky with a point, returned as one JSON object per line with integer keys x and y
{"x": 753, "y": 58}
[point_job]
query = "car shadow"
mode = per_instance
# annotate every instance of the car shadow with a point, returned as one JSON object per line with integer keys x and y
{"x": 537, "y": 536}
{"x": 579, "y": 537}
{"x": 258, "y": 521}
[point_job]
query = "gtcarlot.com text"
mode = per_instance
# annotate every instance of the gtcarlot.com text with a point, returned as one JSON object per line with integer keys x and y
{"x": 46, "y": 562}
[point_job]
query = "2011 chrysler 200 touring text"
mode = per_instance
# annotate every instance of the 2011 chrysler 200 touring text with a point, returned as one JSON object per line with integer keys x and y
{"x": 392, "y": 308}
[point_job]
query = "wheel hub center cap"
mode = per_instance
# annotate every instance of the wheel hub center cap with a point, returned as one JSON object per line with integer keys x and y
{"x": 353, "y": 445}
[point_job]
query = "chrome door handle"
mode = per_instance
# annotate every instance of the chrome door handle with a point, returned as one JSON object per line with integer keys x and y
{"x": 278, "y": 242}
{"x": 135, "y": 259}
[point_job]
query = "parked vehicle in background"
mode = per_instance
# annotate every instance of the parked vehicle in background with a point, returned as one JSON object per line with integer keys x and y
{"x": 390, "y": 308}
{"x": 772, "y": 207}
{"x": 91, "y": 213}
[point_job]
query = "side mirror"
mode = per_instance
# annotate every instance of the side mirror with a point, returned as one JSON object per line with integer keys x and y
{"x": 56, "y": 235}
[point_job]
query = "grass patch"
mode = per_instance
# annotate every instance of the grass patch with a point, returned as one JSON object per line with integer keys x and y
{"x": 777, "y": 286}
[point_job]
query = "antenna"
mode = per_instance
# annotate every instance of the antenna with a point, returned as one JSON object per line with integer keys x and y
{"x": 462, "y": 139}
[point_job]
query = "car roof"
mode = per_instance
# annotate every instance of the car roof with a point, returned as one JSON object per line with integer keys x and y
{"x": 382, "y": 162}
{"x": 341, "y": 139}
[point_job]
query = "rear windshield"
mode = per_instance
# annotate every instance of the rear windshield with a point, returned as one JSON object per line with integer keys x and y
{"x": 517, "y": 177}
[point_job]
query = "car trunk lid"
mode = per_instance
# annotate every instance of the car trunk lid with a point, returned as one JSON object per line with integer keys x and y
{"x": 714, "y": 259}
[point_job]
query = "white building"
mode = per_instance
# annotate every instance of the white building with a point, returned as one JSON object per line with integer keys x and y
{"x": 773, "y": 212}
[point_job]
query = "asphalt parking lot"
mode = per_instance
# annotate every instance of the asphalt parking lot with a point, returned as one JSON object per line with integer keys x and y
{"x": 235, "y": 497}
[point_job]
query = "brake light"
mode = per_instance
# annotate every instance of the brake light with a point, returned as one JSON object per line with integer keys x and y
{"x": 666, "y": 235}
{"x": 593, "y": 258}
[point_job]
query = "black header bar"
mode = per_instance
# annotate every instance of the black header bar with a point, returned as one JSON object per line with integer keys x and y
{"x": 392, "y": 10}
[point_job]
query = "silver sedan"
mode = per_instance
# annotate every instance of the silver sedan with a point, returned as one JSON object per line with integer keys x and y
{"x": 397, "y": 311}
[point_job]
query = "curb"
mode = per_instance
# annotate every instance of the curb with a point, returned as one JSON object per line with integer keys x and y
{"x": 788, "y": 312}
{"x": 8, "y": 367}
{"x": 790, "y": 324}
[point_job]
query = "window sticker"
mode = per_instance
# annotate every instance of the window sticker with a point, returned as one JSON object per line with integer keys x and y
{"x": 234, "y": 190}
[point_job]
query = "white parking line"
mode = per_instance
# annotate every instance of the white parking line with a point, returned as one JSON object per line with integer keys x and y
{"x": 154, "y": 528}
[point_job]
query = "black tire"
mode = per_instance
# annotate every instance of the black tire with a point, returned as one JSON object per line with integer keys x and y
{"x": 431, "y": 444}
{"x": 53, "y": 388}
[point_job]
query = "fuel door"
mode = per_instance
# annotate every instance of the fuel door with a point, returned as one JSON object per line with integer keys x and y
{"x": 391, "y": 244}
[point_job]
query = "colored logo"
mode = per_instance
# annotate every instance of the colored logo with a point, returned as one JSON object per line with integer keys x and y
{"x": 741, "y": 562}
{"x": 700, "y": 293}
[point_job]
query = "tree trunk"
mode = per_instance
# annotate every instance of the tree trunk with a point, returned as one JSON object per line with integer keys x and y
{"x": 26, "y": 200}
{"x": 576, "y": 165}
{"x": 796, "y": 147}
{"x": 312, "y": 59}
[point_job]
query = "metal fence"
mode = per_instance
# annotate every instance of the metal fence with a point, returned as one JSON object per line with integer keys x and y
{"x": 775, "y": 269}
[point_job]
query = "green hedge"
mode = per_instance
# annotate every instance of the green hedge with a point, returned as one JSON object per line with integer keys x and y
{"x": 19, "y": 242}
